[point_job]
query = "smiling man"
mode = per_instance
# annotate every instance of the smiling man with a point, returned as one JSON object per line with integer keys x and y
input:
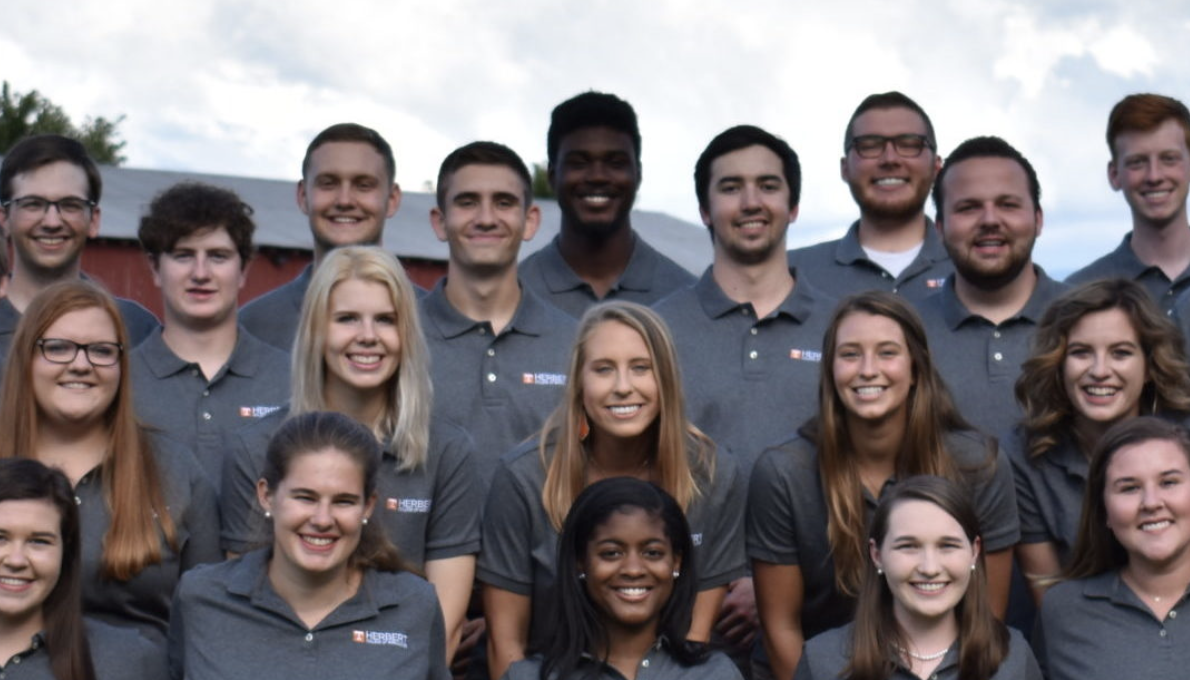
{"x": 347, "y": 191}
{"x": 499, "y": 353}
{"x": 981, "y": 323}
{"x": 1149, "y": 139}
{"x": 49, "y": 208}
{"x": 202, "y": 375}
{"x": 890, "y": 159}
{"x": 595, "y": 171}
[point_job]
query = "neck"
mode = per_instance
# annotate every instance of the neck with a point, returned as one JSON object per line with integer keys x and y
{"x": 627, "y": 647}
{"x": 312, "y": 596}
{"x": 892, "y": 235}
{"x": 765, "y": 284}
{"x": 615, "y": 457}
{"x": 481, "y": 297}
{"x": 75, "y": 449}
{"x": 927, "y": 636}
{"x": 26, "y": 283}
{"x": 998, "y": 304}
{"x": 366, "y": 407}
{"x": 210, "y": 347}
{"x": 1159, "y": 585}
{"x": 1087, "y": 433}
{"x": 598, "y": 260}
{"x": 1164, "y": 246}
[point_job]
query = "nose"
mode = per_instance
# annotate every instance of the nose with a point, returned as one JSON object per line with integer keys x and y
{"x": 52, "y": 217}
{"x": 487, "y": 213}
{"x": 14, "y": 558}
{"x": 1150, "y": 498}
{"x": 80, "y": 363}
{"x": 928, "y": 562}
{"x": 1152, "y": 172}
{"x": 343, "y": 195}
{"x": 750, "y": 197}
{"x": 623, "y": 383}
{"x": 321, "y": 517}
{"x": 202, "y": 268}
{"x": 867, "y": 365}
{"x": 1100, "y": 366}
{"x": 367, "y": 331}
{"x": 633, "y": 564}
{"x": 888, "y": 153}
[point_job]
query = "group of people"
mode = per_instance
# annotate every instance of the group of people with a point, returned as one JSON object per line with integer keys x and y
{"x": 822, "y": 461}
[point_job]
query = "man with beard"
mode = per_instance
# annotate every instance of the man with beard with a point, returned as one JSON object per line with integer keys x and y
{"x": 1149, "y": 139}
{"x": 49, "y": 207}
{"x": 594, "y": 169}
{"x": 980, "y": 325}
{"x": 347, "y": 191}
{"x": 749, "y": 332}
{"x": 891, "y": 157}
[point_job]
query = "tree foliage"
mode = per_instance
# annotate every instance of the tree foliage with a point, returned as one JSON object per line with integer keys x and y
{"x": 541, "y": 182}
{"x": 30, "y": 113}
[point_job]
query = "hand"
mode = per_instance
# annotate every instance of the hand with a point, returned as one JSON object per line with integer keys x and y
{"x": 738, "y": 619}
{"x": 472, "y": 632}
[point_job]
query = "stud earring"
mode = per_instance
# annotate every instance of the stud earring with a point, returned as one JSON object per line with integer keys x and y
{"x": 677, "y": 573}
{"x": 879, "y": 571}
{"x": 268, "y": 515}
{"x": 582, "y": 577}
{"x": 365, "y": 522}
{"x": 972, "y": 567}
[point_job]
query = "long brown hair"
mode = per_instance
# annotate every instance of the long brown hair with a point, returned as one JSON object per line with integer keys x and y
{"x": 684, "y": 456}
{"x": 62, "y": 610}
{"x": 1097, "y": 550}
{"x": 1041, "y": 390}
{"x": 878, "y": 639}
{"x": 132, "y": 485}
{"x": 930, "y": 415}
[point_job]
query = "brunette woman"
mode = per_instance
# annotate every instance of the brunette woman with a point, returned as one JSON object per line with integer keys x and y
{"x": 622, "y": 417}
{"x": 884, "y": 414}
{"x": 147, "y": 511}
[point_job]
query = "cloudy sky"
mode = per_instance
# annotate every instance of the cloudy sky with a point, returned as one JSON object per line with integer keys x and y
{"x": 239, "y": 87}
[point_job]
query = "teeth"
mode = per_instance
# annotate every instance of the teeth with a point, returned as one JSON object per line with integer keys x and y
{"x": 929, "y": 587}
{"x": 13, "y": 581}
{"x": 76, "y": 385}
{"x": 52, "y": 240}
{"x": 1154, "y": 526}
{"x": 366, "y": 359}
{"x": 345, "y": 220}
{"x": 753, "y": 224}
{"x": 1100, "y": 391}
{"x": 596, "y": 199}
{"x": 869, "y": 391}
{"x": 625, "y": 410}
{"x": 633, "y": 591}
{"x": 891, "y": 180}
{"x": 318, "y": 540}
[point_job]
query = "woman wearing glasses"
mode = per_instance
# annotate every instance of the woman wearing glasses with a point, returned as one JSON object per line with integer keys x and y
{"x": 147, "y": 511}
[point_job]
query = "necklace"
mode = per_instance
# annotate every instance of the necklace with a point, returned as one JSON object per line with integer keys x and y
{"x": 925, "y": 657}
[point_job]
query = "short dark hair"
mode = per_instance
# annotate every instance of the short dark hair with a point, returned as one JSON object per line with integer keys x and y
{"x": 889, "y": 100}
{"x": 37, "y": 151}
{"x": 742, "y": 137}
{"x": 353, "y": 132}
{"x": 1142, "y": 113}
{"x": 482, "y": 153}
{"x": 591, "y": 109}
{"x": 985, "y": 147}
{"x": 189, "y": 207}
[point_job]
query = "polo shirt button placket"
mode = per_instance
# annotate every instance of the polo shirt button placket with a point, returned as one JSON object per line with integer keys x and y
{"x": 309, "y": 637}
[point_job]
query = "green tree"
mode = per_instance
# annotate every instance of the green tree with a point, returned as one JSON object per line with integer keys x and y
{"x": 32, "y": 114}
{"x": 541, "y": 182}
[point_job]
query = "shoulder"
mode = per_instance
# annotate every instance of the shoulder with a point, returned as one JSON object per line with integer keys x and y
{"x": 525, "y": 669}
{"x": 175, "y": 460}
{"x": 829, "y": 651}
{"x": 970, "y": 447}
{"x": 119, "y": 652}
{"x": 1099, "y": 268}
{"x": 798, "y": 452}
{"x": 717, "y": 665}
{"x": 809, "y": 255}
{"x": 214, "y": 576}
{"x": 407, "y": 588}
{"x": 1066, "y": 597}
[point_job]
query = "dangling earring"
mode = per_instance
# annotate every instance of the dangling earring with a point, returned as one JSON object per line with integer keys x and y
{"x": 584, "y": 427}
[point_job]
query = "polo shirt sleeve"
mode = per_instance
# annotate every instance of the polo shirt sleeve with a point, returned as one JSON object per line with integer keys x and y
{"x": 721, "y": 557}
{"x": 454, "y": 520}
{"x": 201, "y": 519}
{"x": 506, "y": 561}
{"x": 244, "y": 525}
{"x": 771, "y": 523}
{"x": 995, "y": 503}
{"x": 1025, "y": 478}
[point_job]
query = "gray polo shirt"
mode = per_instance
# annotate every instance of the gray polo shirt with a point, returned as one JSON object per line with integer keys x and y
{"x": 1049, "y": 491}
{"x": 116, "y": 654}
{"x": 1124, "y": 264}
{"x": 501, "y": 387}
{"x": 431, "y": 513}
{"x": 229, "y": 622}
{"x": 749, "y": 382}
{"x": 657, "y": 665}
{"x": 143, "y": 601}
{"x": 649, "y": 277}
{"x": 1098, "y": 629}
{"x": 520, "y": 546}
{"x": 173, "y": 397}
{"x": 842, "y": 267}
{"x": 827, "y": 655}
{"x": 980, "y": 360}
{"x": 787, "y": 517}
{"x": 138, "y": 321}
{"x": 273, "y": 317}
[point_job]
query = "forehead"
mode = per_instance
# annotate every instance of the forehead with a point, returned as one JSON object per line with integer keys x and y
{"x": 614, "y": 337}
{"x": 1106, "y": 326}
{"x": 31, "y": 515}
{"x": 485, "y": 179}
{"x": 53, "y": 181}
{"x": 1169, "y": 135}
{"x": 347, "y": 159}
{"x": 888, "y": 122}
{"x": 207, "y": 237}
{"x": 356, "y": 293}
{"x": 1153, "y": 456}
{"x": 921, "y": 518}
{"x": 90, "y": 324}
{"x": 751, "y": 161}
{"x": 866, "y": 327}
{"x": 329, "y": 471}
{"x": 596, "y": 141}
{"x": 630, "y": 523}
{"x": 985, "y": 176}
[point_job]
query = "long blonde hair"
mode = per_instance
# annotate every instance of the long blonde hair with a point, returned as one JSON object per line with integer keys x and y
{"x": 684, "y": 456}
{"x": 404, "y": 428}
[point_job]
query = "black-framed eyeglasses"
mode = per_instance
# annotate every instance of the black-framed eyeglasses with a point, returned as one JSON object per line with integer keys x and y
{"x": 63, "y": 351}
{"x": 36, "y": 206}
{"x": 907, "y": 145}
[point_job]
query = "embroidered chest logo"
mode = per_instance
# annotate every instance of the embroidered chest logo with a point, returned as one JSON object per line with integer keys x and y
{"x": 257, "y": 411}
{"x": 696, "y": 539}
{"x": 418, "y": 505}
{"x": 557, "y": 379}
{"x": 935, "y": 283}
{"x": 378, "y": 637}
{"x": 805, "y": 355}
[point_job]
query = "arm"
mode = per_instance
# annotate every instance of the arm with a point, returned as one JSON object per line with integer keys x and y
{"x": 452, "y": 578}
{"x": 738, "y": 620}
{"x": 1040, "y": 565}
{"x": 999, "y": 565}
{"x": 706, "y": 610}
{"x": 779, "y": 595}
{"x": 507, "y": 617}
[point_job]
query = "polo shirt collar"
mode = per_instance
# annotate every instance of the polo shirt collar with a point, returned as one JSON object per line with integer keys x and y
{"x": 302, "y": 283}
{"x": 850, "y": 251}
{"x": 798, "y": 304}
{"x": 637, "y": 275}
{"x": 1109, "y": 586}
{"x": 954, "y": 312}
{"x": 1124, "y": 259}
{"x": 162, "y": 361}
{"x": 9, "y": 317}
{"x": 529, "y": 318}
{"x": 1067, "y": 456}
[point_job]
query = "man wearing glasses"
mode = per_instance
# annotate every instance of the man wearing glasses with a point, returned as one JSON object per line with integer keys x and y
{"x": 890, "y": 160}
{"x": 49, "y": 207}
